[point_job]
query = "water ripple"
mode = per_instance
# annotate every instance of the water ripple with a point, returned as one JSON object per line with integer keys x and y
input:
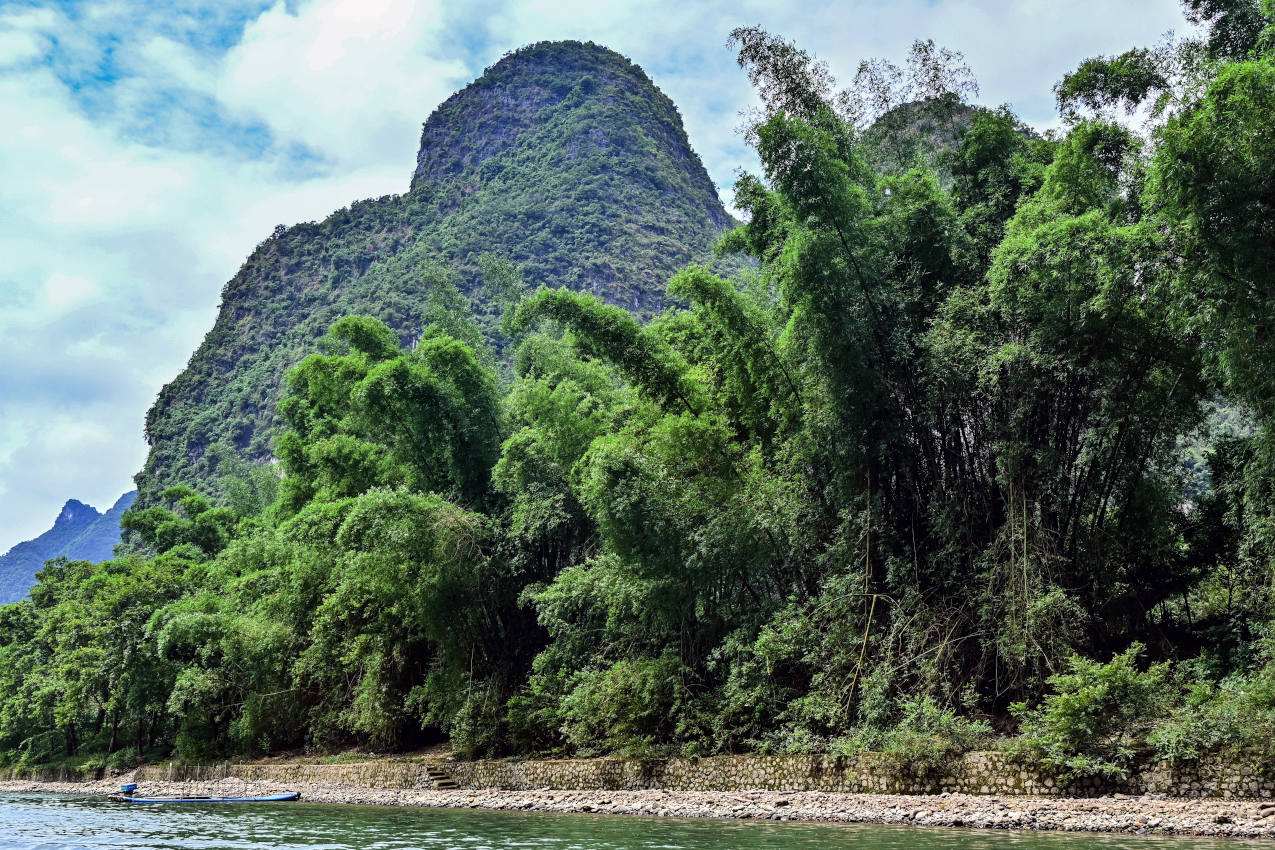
{"x": 43, "y": 821}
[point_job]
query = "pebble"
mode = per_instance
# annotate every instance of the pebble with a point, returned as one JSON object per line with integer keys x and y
{"x": 1153, "y": 813}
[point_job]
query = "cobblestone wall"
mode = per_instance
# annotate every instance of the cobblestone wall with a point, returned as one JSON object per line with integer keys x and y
{"x": 48, "y": 774}
{"x": 370, "y": 774}
{"x": 976, "y": 773}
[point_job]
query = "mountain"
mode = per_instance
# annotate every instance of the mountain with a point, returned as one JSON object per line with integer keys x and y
{"x": 79, "y": 533}
{"x": 563, "y": 158}
{"x": 919, "y": 131}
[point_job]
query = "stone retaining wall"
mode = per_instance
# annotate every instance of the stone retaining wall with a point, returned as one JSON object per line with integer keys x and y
{"x": 48, "y": 774}
{"x": 976, "y": 773}
{"x": 371, "y": 774}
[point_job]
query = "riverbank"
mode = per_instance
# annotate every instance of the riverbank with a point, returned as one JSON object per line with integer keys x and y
{"x": 1147, "y": 814}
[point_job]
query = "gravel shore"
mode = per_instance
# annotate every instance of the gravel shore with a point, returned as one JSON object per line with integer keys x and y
{"x": 1151, "y": 814}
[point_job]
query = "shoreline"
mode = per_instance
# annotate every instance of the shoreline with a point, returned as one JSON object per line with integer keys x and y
{"x": 1142, "y": 815}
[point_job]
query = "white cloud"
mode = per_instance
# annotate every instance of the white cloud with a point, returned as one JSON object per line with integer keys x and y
{"x": 64, "y": 290}
{"x": 17, "y": 48}
{"x": 31, "y": 23}
{"x": 351, "y": 79}
{"x": 126, "y": 204}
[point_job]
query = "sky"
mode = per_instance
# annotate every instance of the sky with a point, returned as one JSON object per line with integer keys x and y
{"x": 146, "y": 148}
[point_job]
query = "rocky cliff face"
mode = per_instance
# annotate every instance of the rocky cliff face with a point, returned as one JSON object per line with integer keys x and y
{"x": 497, "y": 111}
{"x": 563, "y": 158}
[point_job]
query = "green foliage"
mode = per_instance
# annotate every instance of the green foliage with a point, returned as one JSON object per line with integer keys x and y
{"x": 1125, "y": 80}
{"x": 1234, "y": 716}
{"x": 374, "y": 416}
{"x": 1212, "y": 178}
{"x": 404, "y": 588}
{"x": 600, "y": 330}
{"x": 1234, "y": 27}
{"x": 906, "y": 476}
{"x": 562, "y": 164}
{"x": 1098, "y": 717}
{"x": 929, "y": 737}
{"x": 188, "y": 521}
{"x": 630, "y": 708}
{"x": 79, "y": 661}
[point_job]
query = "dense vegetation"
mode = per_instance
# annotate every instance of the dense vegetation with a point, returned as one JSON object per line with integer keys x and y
{"x": 915, "y": 479}
{"x": 79, "y": 533}
{"x": 562, "y": 158}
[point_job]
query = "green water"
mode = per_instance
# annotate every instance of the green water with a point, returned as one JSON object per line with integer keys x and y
{"x": 64, "y": 822}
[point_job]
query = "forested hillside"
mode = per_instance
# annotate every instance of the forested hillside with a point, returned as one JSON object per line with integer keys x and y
{"x": 562, "y": 159}
{"x": 911, "y": 481}
{"x": 79, "y": 533}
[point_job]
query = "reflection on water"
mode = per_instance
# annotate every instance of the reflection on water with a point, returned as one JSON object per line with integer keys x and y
{"x": 64, "y": 822}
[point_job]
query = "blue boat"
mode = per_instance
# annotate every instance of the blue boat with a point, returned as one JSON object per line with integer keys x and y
{"x": 128, "y": 790}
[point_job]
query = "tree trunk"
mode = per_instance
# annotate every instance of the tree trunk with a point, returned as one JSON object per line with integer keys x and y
{"x": 115, "y": 728}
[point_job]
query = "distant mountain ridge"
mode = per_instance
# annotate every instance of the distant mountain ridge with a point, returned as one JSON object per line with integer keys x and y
{"x": 80, "y": 533}
{"x": 563, "y": 158}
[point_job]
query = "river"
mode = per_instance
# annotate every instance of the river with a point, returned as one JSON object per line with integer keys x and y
{"x": 49, "y": 821}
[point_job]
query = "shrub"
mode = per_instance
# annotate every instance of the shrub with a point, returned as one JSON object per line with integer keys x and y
{"x": 1233, "y": 715}
{"x": 1098, "y": 719}
{"x": 629, "y": 708}
{"x": 929, "y": 736}
{"x": 125, "y": 759}
{"x": 90, "y": 766}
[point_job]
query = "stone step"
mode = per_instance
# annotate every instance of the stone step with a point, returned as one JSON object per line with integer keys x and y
{"x": 440, "y": 778}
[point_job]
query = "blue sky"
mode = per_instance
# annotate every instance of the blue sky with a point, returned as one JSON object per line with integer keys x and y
{"x": 147, "y": 147}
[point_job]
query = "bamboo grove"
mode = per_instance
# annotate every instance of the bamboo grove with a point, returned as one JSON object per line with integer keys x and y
{"x": 912, "y": 479}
